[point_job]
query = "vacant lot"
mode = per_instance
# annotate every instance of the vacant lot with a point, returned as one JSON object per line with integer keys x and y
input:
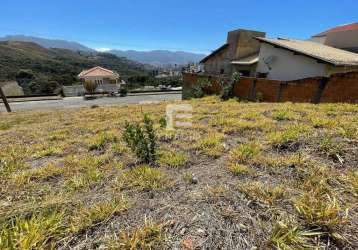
{"x": 245, "y": 176}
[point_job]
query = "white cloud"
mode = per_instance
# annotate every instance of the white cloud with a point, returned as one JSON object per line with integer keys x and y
{"x": 103, "y": 49}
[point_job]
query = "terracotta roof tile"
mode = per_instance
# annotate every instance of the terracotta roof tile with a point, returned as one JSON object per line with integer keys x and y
{"x": 346, "y": 27}
{"x": 98, "y": 71}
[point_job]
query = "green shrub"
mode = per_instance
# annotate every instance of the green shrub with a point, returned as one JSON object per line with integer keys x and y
{"x": 141, "y": 139}
{"x": 198, "y": 90}
{"x": 227, "y": 91}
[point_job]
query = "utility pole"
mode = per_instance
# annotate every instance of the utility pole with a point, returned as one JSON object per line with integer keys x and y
{"x": 3, "y": 97}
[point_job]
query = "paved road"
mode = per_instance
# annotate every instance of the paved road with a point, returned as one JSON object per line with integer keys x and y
{"x": 78, "y": 102}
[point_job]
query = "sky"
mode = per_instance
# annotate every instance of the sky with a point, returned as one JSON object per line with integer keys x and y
{"x": 186, "y": 25}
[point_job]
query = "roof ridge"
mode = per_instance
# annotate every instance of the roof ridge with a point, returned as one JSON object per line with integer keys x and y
{"x": 85, "y": 72}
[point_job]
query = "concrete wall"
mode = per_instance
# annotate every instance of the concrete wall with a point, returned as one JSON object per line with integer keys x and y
{"x": 12, "y": 88}
{"x": 79, "y": 90}
{"x": 241, "y": 44}
{"x": 341, "y": 87}
{"x": 285, "y": 65}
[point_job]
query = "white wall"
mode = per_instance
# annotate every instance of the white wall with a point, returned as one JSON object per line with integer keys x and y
{"x": 287, "y": 66}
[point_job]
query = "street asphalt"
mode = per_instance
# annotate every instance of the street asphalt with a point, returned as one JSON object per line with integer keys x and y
{"x": 79, "y": 102}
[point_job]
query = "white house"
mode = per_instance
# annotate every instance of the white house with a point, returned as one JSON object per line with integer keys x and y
{"x": 289, "y": 59}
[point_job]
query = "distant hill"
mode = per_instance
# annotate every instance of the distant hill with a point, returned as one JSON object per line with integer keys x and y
{"x": 154, "y": 58}
{"x": 48, "y": 43}
{"x": 60, "y": 65}
{"x": 159, "y": 57}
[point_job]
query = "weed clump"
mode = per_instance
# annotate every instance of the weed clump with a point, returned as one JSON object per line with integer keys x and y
{"x": 141, "y": 139}
{"x": 285, "y": 236}
{"x": 144, "y": 178}
{"x": 150, "y": 236}
{"x": 172, "y": 159}
{"x": 36, "y": 232}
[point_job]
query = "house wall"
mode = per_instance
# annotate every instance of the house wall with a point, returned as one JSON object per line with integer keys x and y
{"x": 285, "y": 65}
{"x": 105, "y": 80}
{"x": 217, "y": 63}
{"x": 347, "y": 40}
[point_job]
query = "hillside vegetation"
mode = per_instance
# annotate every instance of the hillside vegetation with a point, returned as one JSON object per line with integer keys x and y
{"x": 59, "y": 65}
{"x": 244, "y": 176}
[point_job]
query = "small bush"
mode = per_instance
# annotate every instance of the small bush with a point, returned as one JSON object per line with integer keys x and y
{"x": 227, "y": 91}
{"x": 141, "y": 139}
{"x": 198, "y": 90}
{"x": 163, "y": 122}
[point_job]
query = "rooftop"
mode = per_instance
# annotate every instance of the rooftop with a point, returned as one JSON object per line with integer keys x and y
{"x": 345, "y": 27}
{"x": 215, "y": 52}
{"x": 315, "y": 50}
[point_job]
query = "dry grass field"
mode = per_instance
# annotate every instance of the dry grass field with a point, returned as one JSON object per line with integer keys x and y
{"x": 245, "y": 176}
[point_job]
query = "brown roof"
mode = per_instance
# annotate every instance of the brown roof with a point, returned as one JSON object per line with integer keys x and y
{"x": 346, "y": 27}
{"x": 98, "y": 72}
{"x": 316, "y": 51}
{"x": 215, "y": 52}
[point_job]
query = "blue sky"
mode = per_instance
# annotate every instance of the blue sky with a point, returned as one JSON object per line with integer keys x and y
{"x": 190, "y": 25}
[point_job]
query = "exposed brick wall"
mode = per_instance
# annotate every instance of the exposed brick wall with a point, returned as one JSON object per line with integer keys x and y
{"x": 268, "y": 88}
{"x": 338, "y": 88}
{"x": 342, "y": 88}
{"x": 300, "y": 90}
{"x": 243, "y": 88}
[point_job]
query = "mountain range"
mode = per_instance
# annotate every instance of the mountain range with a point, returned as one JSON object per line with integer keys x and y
{"x": 60, "y": 65}
{"x": 48, "y": 43}
{"x": 160, "y": 57}
{"x": 154, "y": 58}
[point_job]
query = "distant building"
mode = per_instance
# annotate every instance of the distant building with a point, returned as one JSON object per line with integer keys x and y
{"x": 100, "y": 76}
{"x": 289, "y": 59}
{"x": 239, "y": 54}
{"x": 343, "y": 37}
